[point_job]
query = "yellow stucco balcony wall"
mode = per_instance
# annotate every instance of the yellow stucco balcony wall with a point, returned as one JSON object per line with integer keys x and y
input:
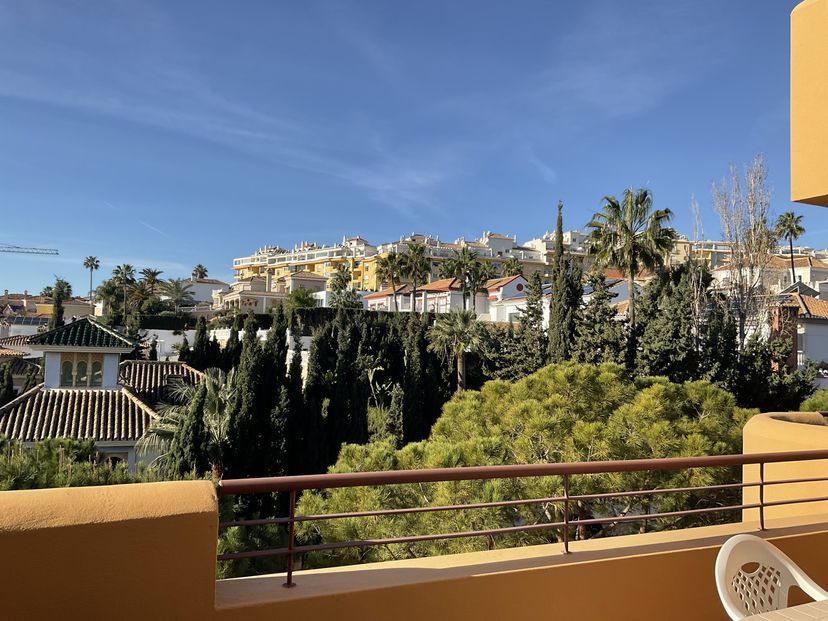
{"x": 147, "y": 551}
{"x": 809, "y": 110}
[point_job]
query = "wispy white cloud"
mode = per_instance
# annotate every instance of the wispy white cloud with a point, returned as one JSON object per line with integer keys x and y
{"x": 166, "y": 90}
{"x": 547, "y": 172}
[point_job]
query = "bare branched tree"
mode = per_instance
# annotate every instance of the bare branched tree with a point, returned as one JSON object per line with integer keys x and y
{"x": 743, "y": 207}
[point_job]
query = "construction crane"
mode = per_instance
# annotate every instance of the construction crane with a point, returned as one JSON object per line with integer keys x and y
{"x": 24, "y": 250}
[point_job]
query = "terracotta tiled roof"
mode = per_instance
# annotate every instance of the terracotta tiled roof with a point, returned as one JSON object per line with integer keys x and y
{"x": 611, "y": 273}
{"x": 208, "y": 281}
{"x": 498, "y": 236}
{"x": 497, "y": 283}
{"x": 445, "y": 284}
{"x": 83, "y": 333}
{"x": 10, "y": 353}
{"x": 384, "y": 293}
{"x": 17, "y": 340}
{"x": 305, "y": 274}
{"x": 101, "y": 415}
{"x": 621, "y": 308}
{"x": 149, "y": 378}
{"x": 809, "y": 307}
{"x": 785, "y": 262}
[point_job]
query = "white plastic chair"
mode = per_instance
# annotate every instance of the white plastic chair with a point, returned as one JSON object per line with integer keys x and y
{"x": 765, "y": 585}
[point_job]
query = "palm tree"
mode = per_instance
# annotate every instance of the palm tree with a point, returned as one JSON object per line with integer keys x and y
{"x": 178, "y": 292}
{"x": 630, "y": 236}
{"x": 150, "y": 277}
{"x": 454, "y": 334}
{"x": 139, "y": 294}
{"x": 478, "y": 276}
{"x": 461, "y": 265}
{"x": 199, "y": 271}
{"x": 91, "y": 263}
{"x": 124, "y": 275}
{"x": 390, "y": 270}
{"x": 220, "y": 392}
{"x": 512, "y": 267}
{"x": 789, "y": 226}
{"x": 417, "y": 269}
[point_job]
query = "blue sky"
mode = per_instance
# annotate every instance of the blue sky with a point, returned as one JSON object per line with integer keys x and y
{"x": 171, "y": 133}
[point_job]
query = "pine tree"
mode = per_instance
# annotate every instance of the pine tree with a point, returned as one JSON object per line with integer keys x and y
{"x": 6, "y": 385}
{"x": 188, "y": 453}
{"x": 599, "y": 337}
{"x": 565, "y": 298}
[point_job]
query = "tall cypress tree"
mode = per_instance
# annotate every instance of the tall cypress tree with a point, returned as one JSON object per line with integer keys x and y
{"x": 58, "y": 295}
{"x": 276, "y": 348}
{"x": 249, "y": 426}
{"x": 303, "y": 444}
{"x": 188, "y": 450}
{"x": 668, "y": 344}
{"x": 30, "y": 381}
{"x": 232, "y": 350}
{"x": 415, "y": 422}
{"x": 184, "y": 352}
{"x": 201, "y": 346}
{"x": 565, "y": 298}
{"x": 6, "y": 384}
{"x": 599, "y": 337}
{"x": 532, "y": 335}
{"x": 152, "y": 354}
{"x": 318, "y": 392}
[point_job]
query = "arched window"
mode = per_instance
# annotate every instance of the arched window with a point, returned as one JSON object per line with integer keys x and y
{"x": 80, "y": 374}
{"x": 66, "y": 373}
{"x": 97, "y": 374}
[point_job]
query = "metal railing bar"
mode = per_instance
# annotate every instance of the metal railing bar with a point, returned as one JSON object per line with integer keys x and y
{"x": 662, "y": 490}
{"x": 435, "y": 475}
{"x": 665, "y": 514}
{"x": 383, "y": 512}
{"x": 482, "y": 505}
{"x": 361, "y": 543}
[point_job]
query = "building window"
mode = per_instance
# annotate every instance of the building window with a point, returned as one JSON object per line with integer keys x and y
{"x": 81, "y": 378}
{"x": 66, "y": 373}
{"x": 75, "y": 370}
{"x": 97, "y": 374}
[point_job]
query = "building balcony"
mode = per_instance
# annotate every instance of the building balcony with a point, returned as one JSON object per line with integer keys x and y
{"x": 148, "y": 551}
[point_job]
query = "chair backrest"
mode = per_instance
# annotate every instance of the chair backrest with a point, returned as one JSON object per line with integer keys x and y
{"x": 753, "y": 576}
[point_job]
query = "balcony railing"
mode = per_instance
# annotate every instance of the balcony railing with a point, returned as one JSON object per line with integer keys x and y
{"x": 293, "y": 485}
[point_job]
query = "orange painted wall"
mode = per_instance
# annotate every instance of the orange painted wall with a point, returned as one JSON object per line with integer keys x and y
{"x": 148, "y": 552}
{"x": 809, "y": 92}
{"x": 118, "y": 552}
{"x": 770, "y": 433}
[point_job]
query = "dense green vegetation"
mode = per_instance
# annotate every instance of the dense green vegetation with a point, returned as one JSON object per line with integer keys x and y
{"x": 566, "y": 412}
{"x": 61, "y": 463}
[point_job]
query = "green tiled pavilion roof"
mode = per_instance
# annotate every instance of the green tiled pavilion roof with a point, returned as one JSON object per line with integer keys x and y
{"x": 83, "y": 333}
